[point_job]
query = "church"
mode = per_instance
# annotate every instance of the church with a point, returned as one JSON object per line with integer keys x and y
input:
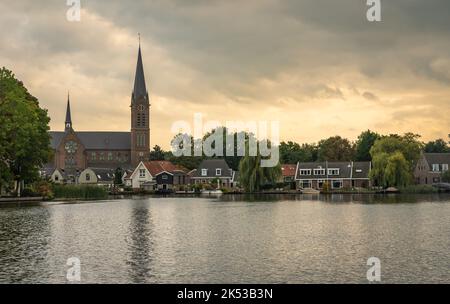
{"x": 75, "y": 151}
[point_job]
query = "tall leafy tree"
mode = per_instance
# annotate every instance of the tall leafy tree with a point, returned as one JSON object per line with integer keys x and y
{"x": 388, "y": 166}
{"x": 253, "y": 176}
{"x": 336, "y": 149}
{"x": 291, "y": 152}
{"x": 437, "y": 146}
{"x": 363, "y": 145}
{"x": 157, "y": 153}
{"x": 24, "y": 137}
{"x": 397, "y": 172}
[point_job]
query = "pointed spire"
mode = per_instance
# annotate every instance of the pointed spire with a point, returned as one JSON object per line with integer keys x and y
{"x": 140, "y": 89}
{"x": 68, "y": 114}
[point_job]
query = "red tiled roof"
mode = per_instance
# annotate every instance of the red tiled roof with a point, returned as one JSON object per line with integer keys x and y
{"x": 156, "y": 167}
{"x": 288, "y": 170}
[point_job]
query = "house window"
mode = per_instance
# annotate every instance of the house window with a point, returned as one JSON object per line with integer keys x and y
{"x": 102, "y": 156}
{"x": 218, "y": 172}
{"x": 306, "y": 184}
{"x": 319, "y": 171}
{"x": 165, "y": 177}
{"x": 435, "y": 168}
{"x": 320, "y": 183}
{"x": 204, "y": 172}
{"x": 444, "y": 167}
{"x": 358, "y": 171}
{"x": 436, "y": 179}
{"x": 305, "y": 171}
{"x": 333, "y": 171}
{"x": 56, "y": 177}
{"x": 110, "y": 156}
{"x": 336, "y": 184}
{"x": 88, "y": 177}
{"x": 141, "y": 173}
{"x": 94, "y": 156}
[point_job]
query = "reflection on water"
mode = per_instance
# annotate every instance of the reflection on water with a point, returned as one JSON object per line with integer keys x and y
{"x": 232, "y": 239}
{"x": 140, "y": 244}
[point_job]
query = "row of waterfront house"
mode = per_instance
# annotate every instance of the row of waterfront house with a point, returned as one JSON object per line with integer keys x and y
{"x": 166, "y": 176}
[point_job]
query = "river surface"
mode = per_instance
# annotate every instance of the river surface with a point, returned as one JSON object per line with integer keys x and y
{"x": 232, "y": 239}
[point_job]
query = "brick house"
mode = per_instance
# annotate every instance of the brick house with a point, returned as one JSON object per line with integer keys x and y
{"x": 430, "y": 167}
{"x": 338, "y": 175}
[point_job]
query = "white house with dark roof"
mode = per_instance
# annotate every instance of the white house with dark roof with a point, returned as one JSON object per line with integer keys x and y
{"x": 97, "y": 176}
{"x": 338, "y": 175}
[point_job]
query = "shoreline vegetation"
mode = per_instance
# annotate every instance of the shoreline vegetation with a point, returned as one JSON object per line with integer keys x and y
{"x": 94, "y": 193}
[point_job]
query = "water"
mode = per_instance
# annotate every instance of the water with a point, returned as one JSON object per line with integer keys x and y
{"x": 234, "y": 239}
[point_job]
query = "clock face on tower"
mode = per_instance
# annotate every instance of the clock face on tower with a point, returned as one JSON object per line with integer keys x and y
{"x": 71, "y": 147}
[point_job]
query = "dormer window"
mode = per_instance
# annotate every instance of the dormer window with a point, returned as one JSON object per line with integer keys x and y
{"x": 204, "y": 172}
{"x": 319, "y": 171}
{"x": 218, "y": 172}
{"x": 333, "y": 171}
{"x": 305, "y": 171}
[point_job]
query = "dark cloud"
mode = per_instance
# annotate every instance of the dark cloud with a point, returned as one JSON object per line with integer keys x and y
{"x": 237, "y": 53}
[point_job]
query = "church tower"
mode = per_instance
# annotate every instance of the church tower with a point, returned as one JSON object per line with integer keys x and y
{"x": 140, "y": 116}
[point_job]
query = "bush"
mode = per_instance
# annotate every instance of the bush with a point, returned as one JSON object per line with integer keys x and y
{"x": 446, "y": 177}
{"x": 44, "y": 189}
{"x": 326, "y": 187}
{"x": 28, "y": 192}
{"x": 79, "y": 192}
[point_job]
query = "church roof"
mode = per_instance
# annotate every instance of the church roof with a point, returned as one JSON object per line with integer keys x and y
{"x": 140, "y": 88}
{"x": 97, "y": 140}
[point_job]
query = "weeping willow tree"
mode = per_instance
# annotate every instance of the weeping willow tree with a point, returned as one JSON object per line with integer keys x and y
{"x": 253, "y": 175}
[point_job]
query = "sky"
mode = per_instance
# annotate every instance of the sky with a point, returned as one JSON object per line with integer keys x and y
{"x": 319, "y": 67}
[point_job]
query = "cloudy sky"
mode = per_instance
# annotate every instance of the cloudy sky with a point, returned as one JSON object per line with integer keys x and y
{"x": 317, "y": 66}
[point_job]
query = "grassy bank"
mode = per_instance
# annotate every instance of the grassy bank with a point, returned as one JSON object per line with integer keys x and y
{"x": 418, "y": 189}
{"x": 79, "y": 192}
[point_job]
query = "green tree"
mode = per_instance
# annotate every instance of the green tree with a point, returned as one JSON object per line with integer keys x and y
{"x": 336, "y": 149}
{"x": 397, "y": 172}
{"x": 24, "y": 137}
{"x": 253, "y": 176}
{"x": 157, "y": 153}
{"x": 437, "y": 146}
{"x": 409, "y": 145}
{"x": 388, "y": 167}
{"x": 118, "y": 174}
{"x": 291, "y": 153}
{"x": 363, "y": 145}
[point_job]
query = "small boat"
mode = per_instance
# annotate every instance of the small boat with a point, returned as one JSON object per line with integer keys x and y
{"x": 212, "y": 192}
{"x": 310, "y": 191}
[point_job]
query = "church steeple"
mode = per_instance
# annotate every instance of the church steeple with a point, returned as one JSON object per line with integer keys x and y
{"x": 140, "y": 115}
{"x": 68, "y": 121}
{"x": 140, "y": 88}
